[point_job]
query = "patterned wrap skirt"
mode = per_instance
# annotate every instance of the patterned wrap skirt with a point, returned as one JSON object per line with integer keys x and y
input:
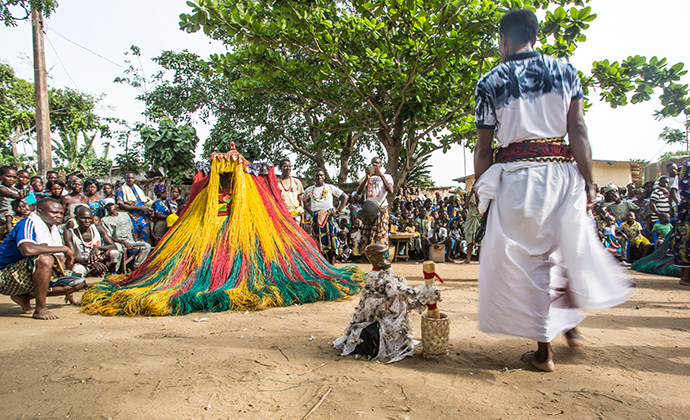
{"x": 680, "y": 234}
{"x": 376, "y": 231}
{"x": 325, "y": 232}
{"x": 15, "y": 279}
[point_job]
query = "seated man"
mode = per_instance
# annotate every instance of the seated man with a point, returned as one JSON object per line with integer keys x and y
{"x": 29, "y": 259}
{"x": 94, "y": 251}
{"x": 119, "y": 226}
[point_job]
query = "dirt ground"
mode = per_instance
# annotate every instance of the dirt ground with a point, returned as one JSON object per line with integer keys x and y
{"x": 280, "y": 363}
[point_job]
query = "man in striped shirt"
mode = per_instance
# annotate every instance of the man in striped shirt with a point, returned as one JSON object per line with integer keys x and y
{"x": 660, "y": 201}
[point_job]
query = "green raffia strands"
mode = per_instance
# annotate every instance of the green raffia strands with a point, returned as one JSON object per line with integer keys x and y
{"x": 658, "y": 262}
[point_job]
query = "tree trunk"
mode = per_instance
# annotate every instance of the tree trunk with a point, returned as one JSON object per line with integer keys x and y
{"x": 346, "y": 154}
{"x": 392, "y": 158}
{"x": 44, "y": 152}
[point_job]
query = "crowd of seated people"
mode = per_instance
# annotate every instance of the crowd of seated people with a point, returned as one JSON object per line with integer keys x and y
{"x": 56, "y": 233}
{"x": 631, "y": 221}
{"x": 439, "y": 223}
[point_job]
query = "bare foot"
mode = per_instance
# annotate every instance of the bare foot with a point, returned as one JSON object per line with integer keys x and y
{"x": 531, "y": 358}
{"x": 24, "y": 301}
{"x": 684, "y": 283}
{"x": 69, "y": 298}
{"x": 575, "y": 340}
{"x": 44, "y": 314}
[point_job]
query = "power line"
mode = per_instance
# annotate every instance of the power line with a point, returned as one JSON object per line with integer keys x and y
{"x": 60, "y": 60}
{"x": 83, "y": 47}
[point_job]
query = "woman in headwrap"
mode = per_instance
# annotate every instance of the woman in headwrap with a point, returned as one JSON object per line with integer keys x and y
{"x": 91, "y": 188}
{"x": 163, "y": 207}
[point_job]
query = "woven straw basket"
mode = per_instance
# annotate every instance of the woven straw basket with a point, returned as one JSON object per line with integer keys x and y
{"x": 435, "y": 335}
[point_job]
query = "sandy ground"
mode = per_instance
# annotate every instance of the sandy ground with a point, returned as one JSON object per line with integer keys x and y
{"x": 279, "y": 364}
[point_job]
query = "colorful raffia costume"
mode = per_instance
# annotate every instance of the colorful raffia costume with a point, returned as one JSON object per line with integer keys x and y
{"x": 234, "y": 247}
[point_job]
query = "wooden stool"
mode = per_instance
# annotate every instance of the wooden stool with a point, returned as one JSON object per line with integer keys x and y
{"x": 405, "y": 242}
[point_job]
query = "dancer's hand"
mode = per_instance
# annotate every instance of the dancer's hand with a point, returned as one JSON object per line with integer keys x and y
{"x": 591, "y": 196}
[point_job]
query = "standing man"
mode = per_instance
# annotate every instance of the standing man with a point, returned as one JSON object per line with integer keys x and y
{"x": 672, "y": 170}
{"x": 320, "y": 203}
{"x": 376, "y": 186}
{"x": 291, "y": 190}
{"x": 131, "y": 198}
{"x": 538, "y": 231}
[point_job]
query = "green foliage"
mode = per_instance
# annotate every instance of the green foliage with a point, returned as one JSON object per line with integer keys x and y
{"x": 263, "y": 125}
{"x": 672, "y": 135}
{"x": 171, "y": 148}
{"x": 132, "y": 156}
{"x": 420, "y": 175}
{"x": 16, "y": 111}
{"x": 670, "y": 155}
{"x": 403, "y": 72}
{"x": 72, "y": 111}
{"x": 71, "y": 117}
{"x": 13, "y": 10}
{"x": 135, "y": 77}
{"x": 635, "y": 79}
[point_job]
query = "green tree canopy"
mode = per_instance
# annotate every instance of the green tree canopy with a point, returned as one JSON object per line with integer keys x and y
{"x": 402, "y": 70}
{"x": 71, "y": 115}
{"x": 12, "y": 11}
{"x": 263, "y": 125}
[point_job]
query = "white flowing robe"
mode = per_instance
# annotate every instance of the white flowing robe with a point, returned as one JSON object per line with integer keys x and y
{"x": 540, "y": 256}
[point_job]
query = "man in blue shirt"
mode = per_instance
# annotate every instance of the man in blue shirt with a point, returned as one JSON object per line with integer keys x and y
{"x": 28, "y": 260}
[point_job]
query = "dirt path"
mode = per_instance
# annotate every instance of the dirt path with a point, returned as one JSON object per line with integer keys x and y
{"x": 279, "y": 363}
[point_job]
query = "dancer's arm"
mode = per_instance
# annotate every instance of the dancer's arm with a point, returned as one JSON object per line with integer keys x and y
{"x": 580, "y": 147}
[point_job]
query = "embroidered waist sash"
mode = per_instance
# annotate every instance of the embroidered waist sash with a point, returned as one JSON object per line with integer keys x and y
{"x": 553, "y": 150}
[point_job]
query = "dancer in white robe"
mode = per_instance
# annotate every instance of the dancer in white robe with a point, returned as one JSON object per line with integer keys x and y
{"x": 541, "y": 259}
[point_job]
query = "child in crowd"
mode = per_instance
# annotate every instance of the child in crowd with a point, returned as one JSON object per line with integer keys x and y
{"x": 24, "y": 185}
{"x": 108, "y": 191}
{"x": 21, "y": 211}
{"x": 355, "y": 240}
{"x": 639, "y": 244}
{"x": 453, "y": 242}
{"x": 662, "y": 228}
{"x": 419, "y": 245}
{"x": 610, "y": 241}
{"x": 55, "y": 188}
{"x": 8, "y": 193}
{"x": 37, "y": 185}
{"x": 438, "y": 235}
{"x": 342, "y": 233}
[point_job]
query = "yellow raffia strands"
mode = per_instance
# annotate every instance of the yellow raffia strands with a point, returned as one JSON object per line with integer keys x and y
{"x": 201, "y": 241}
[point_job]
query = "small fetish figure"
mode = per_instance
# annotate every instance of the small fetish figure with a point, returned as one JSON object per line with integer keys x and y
{"x": 428, "y": 294}
{"x": 380, "y": 324}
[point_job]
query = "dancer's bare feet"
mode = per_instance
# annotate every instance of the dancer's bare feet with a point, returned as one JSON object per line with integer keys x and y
{"x": 531, "y": 358}
{"x": 44, "y": 314}
{"x": 574, "y": 339}
{"x": 542, "y": 358}
{"x": 24, "y": 301}
{"x": 684, "y": 283}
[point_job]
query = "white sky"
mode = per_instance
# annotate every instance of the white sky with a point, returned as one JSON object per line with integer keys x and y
{"x": 108, "y": 28}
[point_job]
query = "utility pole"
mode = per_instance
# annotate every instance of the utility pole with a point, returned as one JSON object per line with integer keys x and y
{"x": 43, "y": 147}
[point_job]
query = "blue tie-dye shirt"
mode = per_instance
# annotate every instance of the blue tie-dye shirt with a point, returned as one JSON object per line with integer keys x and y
{"x": 527, "y": 97}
